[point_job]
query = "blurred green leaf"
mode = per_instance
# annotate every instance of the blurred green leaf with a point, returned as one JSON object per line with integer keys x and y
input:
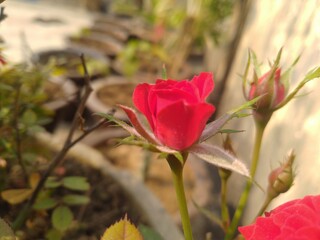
{"x": 54, "y": 234}
{"x": 29, "y": 117}
{"x": 148, "y": 233}
{"x": 76, "y": 183}
{"x": 46, "y": 203}
{"x": 62, "y": 218}
{"x": 6, "y": 233}
{"x": 6, "y": 87}
{"x": 230, "y": 131}
{"x": 75, "y": 199}
{"x": 52, "y": 182}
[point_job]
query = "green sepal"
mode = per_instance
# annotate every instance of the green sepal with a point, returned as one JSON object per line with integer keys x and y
{"x": 312, "y": 74}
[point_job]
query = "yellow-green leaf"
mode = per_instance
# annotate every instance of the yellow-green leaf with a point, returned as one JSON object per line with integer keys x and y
{"x": 76, "y": 199}
{"x": 5, "y": 231}
{"x": 62, "y": 218}
{"x": 45, "y": 203}
{"x": 122, "y": 230}
{"x": 16, "y": 196}
{"x": 76, "y": 183}
{"x": 34, "y": 180}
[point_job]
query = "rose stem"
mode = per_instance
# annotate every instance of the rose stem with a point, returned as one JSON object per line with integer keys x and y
{"x": 177, "y": 172}
{"x": 266, "y": 203}
{"x": 245, "y": 194}
{"x": 223, "y": 198}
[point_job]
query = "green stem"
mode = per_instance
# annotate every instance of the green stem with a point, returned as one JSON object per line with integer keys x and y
{"x": 245, "y": 194}
{"x": 264, "y": 206}
{"x": 224, "y": 176}
{"x": 177, "y": 172}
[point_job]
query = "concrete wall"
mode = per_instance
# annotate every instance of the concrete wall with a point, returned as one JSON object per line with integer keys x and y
{"x": 295, "y": 26}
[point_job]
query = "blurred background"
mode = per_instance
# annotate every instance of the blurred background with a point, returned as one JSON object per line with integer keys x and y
{"x": 128, "y": 41}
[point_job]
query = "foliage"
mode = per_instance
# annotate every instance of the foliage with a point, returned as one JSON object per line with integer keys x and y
{"x": 122, "y": 230}
{"x": 21, "y": 114}
{"x": 139, "y": 54}
{"x": 22, "y": 97}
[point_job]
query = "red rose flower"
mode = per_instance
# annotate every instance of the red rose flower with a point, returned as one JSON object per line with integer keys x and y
{"x": 176, "y": 110}
{"x": 295, "y": 220}
{"x": 270, "y": 88}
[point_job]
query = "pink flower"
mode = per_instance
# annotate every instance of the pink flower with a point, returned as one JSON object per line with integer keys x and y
{"x": 176, "y": 110}
{"x": 270, "y": 88}
{"x": 295, "y": 220}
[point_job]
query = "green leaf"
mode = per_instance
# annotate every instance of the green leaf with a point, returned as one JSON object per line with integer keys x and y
{"x": 29, "y": 117}
{"x": 256, "y": 65}
{"x": 52, "y": 182}
{"x": 46, "y": 203}
{"x": 6, "y": 233}
{"x": 219, "y": 157}
{"x": 148, "y": 233}
{"x": 285, "y": 77}
{"x": 311, "y": 75}
{"x": 62, "y": 218}
{"x": 75, "y": 199}
{"x": 245, "y": 76}
{"x": 246, "y": 105}
{"x": 6, "y": 87}
{"x": 214, "y": 127}
{"x": 164, "y": 72}
{"x": 230, "y": 131}
{"x": 76, "y": 183}
{"x": 54, "y": 234}
{"x": 122, "y": 230}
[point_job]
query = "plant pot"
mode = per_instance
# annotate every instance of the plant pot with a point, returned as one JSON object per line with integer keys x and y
{"x": 61, "y": 94}
{"x": 110, "y": 30}
{"x": 67, "y": 63}
{"x": 106, "y": 45}
{"x": 108, "y": 92}
{"x": 144, "y": 204}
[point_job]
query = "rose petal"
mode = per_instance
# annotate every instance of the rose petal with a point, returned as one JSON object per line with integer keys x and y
{"x": 133, "y": 117}
{"x": 180, "y": 125}
{"x": 204, "y": 83}
{"x": 160, "y": 99}
{"x": 140, "y": 100}
{"x": 263, "y": 229}
{"x": 297, "y": 220}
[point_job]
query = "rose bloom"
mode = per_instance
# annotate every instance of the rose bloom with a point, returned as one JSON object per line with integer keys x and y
{"x": 273, "y": 91}
{"x": 295, "y": 220}
{"x": 176, "y": 110}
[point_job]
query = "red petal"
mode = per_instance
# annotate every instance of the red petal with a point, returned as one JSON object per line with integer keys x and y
{"x": 262, "y": 229}
{"x": 159, "y": 99}
{"x": 180, "y": 125}
{"x": 204, "y": 82}
{"x": 132, "y": 115}
{"x": 247, "y": 231}
{"x": 140, "y": 100}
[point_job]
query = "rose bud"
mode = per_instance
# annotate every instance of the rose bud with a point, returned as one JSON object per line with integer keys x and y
{"x": 281, "y": 179}
{"x": 271, "y": 90}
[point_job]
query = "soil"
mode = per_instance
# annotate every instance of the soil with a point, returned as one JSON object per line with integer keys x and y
{"x": 54, "y": 91}
{"x": 113, "y": 94}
